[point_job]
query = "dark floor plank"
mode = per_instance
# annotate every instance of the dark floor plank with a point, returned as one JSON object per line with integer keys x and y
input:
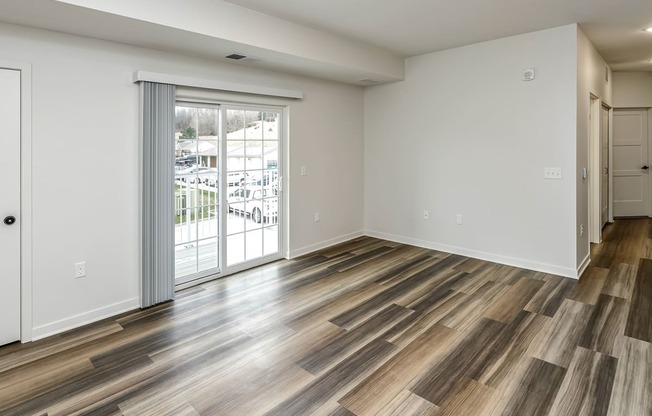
{"x": 329, "y": 384}
{"x": 557, "y": 342}
{"x": 551, "y": 295}
{"x": 586, "y": 389}
{"x": 509, "y": 350}
{"x": 375, "y": 392}
{"x": 405, "y": 403}
{"x": 621, "y": 280}
{"x": 348, "y": 342}
{"x": 342, "y": 411}
{"x": 400, "y": 268}
{"x": 435, "y": 294}
{"x": 470, "y": 398}
{"x": 476, "y": 279}
{"x": 414, "y": 325}
{"x": 438, "y": 382}
{"x": 507, "y": 307}
{"x": 590, "y": 285}
{"x": 639, "y": 319}
{"x": 632, "y": 388}
{"x": 604, "y": 330}
{"x": 537, "y": 390}
{"x": 466, "y": 314}
{"x": 412, "y": 283}
{"x": 360, "y": 258}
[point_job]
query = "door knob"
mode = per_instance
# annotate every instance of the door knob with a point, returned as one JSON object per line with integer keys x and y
{"x": 645, "y": 167}
{"x": 10, "y": 220}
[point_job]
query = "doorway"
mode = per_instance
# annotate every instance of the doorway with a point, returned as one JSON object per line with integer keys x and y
{"x": 604, "y": 165}
{"x": 599, "y": 162}
{"x": 227, "y": 189}
{"x": 631, "y": 178}
{"x": 10, "y": 206}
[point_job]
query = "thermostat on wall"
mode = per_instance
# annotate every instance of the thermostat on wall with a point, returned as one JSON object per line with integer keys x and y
{"x": 528, "y": 74}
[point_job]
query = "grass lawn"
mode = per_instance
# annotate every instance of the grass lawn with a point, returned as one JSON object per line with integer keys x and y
{"x": 207, "y": 199}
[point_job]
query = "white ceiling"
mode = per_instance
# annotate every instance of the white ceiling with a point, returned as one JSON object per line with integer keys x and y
{"x": 414, "y": 27}
{"x": 353, "y": 41}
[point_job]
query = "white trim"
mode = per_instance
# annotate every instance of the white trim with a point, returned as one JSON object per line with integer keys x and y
{"x": 26, "y": 316}
{"x": 230, "y": 271}
{"x": 215, "y": 85}
{"x": 324, "y": 244}
{"x": 611, "y": 164}
{"x": 285, "y": 183}
{"x": 141, "y": 175}
{"x": 649, "y": 158}
{"x": 496, "y": 258}
{"x": 594, "y": 147}
{"x": 584, "y": 265}
{"x": 85, "y": 318}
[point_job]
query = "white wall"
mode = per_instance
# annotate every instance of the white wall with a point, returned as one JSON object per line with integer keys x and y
{"x": 85, "y": 165}
{"x": 590, "y": 80}
{"x": 464, "y": 135}
{"x": 632, "y": 89}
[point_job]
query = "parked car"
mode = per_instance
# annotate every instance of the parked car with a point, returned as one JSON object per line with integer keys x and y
{"x": 236, "y": 179}
{"x": 189, "y": 160}
{"x": 250, "y": 203}
{"x": 196, "y": 174}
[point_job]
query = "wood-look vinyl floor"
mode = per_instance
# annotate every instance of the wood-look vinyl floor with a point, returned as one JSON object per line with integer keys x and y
{"x": 368, "y": 327}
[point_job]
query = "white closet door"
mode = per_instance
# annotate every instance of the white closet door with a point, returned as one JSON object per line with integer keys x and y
{"x": 10, "y": 207}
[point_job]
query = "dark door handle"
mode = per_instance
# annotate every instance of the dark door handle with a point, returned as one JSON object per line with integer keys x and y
{"x": 10, "y": 220}
{"x": 645, "y": 167}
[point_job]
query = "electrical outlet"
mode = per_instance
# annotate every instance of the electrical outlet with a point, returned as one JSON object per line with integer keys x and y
{"x": 426, "y": 214}
{"x": 304, "y": 171}
{"x": 317, "y": 216}
{"x": 460, "y": 219}
{"x": 581, "y": 230}
{"x": 552, "y": 173}
{"x": 80, "y": 269}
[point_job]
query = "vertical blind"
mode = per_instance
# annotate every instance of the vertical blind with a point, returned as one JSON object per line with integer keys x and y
{"x": 157, "y": 118}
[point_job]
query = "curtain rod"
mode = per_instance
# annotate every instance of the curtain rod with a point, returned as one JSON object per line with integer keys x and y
{"x": 215, "y": 85}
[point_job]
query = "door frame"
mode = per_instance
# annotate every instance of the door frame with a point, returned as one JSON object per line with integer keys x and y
{"x": 649, "y": 158}
{"x": 224, "y": 100}
{"x": 595, "y": 175}
{"x": 25, "y": 215}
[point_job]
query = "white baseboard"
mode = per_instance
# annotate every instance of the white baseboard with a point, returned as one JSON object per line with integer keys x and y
{"x": 324, "y": 244}
{"x": 584, "y": 265}
{"x": 85, "y": 318}
{"x": 496, "y": 258}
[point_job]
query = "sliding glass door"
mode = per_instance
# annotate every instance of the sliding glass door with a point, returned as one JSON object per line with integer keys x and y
{"x": 252, "y": 170}
{"x": 196, "y": 194}
{"x": 227, "y": 189}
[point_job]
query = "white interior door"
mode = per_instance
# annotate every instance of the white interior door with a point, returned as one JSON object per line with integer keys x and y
{"x": 10, "y": 207}
{"x": 630, "y": 163}
{"x": 604, "y": 166}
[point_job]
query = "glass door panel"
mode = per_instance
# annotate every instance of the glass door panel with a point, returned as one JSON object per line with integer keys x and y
{"x": 197, "y": 197}
{"x": 227, "y": 197}
{"x": 252, "y": 155}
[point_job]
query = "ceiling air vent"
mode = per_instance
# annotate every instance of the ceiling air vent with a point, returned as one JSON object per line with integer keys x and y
{"x": 236, "y": 56}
